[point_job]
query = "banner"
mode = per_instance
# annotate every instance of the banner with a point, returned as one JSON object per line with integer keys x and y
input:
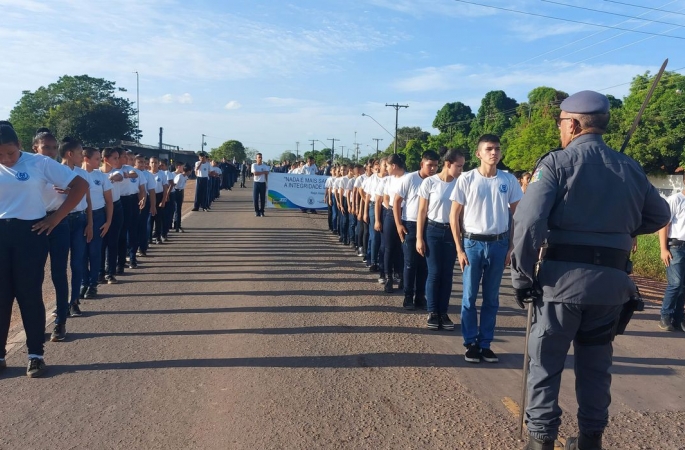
{"x": 295, "y": 191}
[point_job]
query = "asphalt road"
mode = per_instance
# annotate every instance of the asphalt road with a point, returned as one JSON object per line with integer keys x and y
{"x": 264, "y": 333}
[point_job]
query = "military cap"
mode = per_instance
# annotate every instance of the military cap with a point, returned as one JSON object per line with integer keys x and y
{"x": 586, "y": 102}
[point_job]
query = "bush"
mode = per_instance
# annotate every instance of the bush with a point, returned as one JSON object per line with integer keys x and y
{"x": 647, "y": 259}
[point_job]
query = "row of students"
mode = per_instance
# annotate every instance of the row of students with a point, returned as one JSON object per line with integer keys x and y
{"x": 96, "y": 209}
{"x": 421, "y": 223}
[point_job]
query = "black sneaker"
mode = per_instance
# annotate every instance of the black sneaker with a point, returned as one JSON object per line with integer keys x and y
{"x": 59, "y": 333}
{"x": 420, "y": 302}
{"x": 446, "y": 323}
{"x": 75, "y": 311}
{"x": 666, "y": 324}
{"x": 408, "y": 303}
{"x": 3, "y": 364}
{"x": 261, "y": 214}
{"x": 472, "y": 354}
{"x": 681, "y": 327}
{"x": 382, "y": 279}
{"x": 91, "y": 293}
{"x": 400, "y": 285}
{"x": 181, "y": 230}
{"x": 539, "y": 444}
{"x": 82, "y": 292}
{"x": 102, "y": 279}
{"x": 141, "y": 254}
{"x": 388, "y": 286}
{"x": 374, "y": 268}
{"x": 488, "y": 355}
{"x": 111, "y": 279}
{"x": 133, "y": 265}
{"x": 36, "y": 367}
{"x": 256, "y": 214}
{"x": 433, "y": 321}
{"x": 120, "y": 270}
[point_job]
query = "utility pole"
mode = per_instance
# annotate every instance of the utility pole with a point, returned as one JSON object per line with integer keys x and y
{"x": 202, "y": 149}
{"x": 333, "y": 148}
{"x": 138, "y": 105}
{"x": 298, "y": 150}
{"x": 342, "y": 151}
{"x": 377, "y": 140}
{"x": 312, "y": 141}
{"x": 397, "y": 115}
{"x": 357, "y": 156}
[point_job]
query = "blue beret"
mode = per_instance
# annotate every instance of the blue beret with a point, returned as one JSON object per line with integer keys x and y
{"x": 586, "y": 102}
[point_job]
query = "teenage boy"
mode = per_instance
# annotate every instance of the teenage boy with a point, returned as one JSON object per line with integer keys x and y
{"x": 201, "y": 187}
{"x": 415, "y": 268}
{"x": 672, "y": 240}
{"x": 261, "y": 177}
{"x": 161, "y": 192}
{"x": 488, "y": 198}
{"x": 149, "y": 209}
{"x": 180, "y": 179}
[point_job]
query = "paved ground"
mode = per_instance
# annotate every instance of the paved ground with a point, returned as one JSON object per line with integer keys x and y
{"x": 260, "y": 333}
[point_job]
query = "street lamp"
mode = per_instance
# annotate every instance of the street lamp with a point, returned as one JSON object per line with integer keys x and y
{"x": 386, "y": 130}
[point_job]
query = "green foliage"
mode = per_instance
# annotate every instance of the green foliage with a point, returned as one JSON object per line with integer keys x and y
{"x": 288, "y": 156}
{"x": 412, "y": 152}
{"x": 320, "y": 156}
{"x": 647, "y": 259}
{"x": 658, "y": 141}
{"x": 250, "y": 154}
{"x": 82, "y": 107}
{"x": 404, "y": 135}
{"x": 229, "y": 150}
{"x": 454, "y": 117}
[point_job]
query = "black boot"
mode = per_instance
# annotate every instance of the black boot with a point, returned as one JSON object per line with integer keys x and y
{"x": 585, "y": 442}
{"x": 538, "y": 444}
{"x": 388, "y": 285}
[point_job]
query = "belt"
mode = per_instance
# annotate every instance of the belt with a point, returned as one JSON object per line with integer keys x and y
{"x": 486, "y": 237}
{"x": 584, "y": 254}
{"x": 71, "y": 214}
{"x": 675, "y": 242}
{"x": 438, "y": 224}
{"x": 178, "y": 190}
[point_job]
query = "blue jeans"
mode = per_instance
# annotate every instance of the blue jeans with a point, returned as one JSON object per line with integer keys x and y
{"x": 374, "y": 237}
{"x": 59, "y": 240}
{"x": 393, "y": 246}
{"x": 486, "y": 262}
{"x": 352, "y": 229}
{"x": 441, "y": 254}
{"x": 143, "y": 232}
{"x": 259, "y": 196}
{"x": 674, "y": 296}
{"x": 110, "y": 243}
{"x": 334, "y": 219}
{"x": 343, "y": 223}
{"x": 91, "y": 255}
{"x": 77, "y": 227}
{"x": 415, "y": 270}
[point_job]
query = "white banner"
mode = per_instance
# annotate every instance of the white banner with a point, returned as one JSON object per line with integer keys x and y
{"x": 295, "y": 191}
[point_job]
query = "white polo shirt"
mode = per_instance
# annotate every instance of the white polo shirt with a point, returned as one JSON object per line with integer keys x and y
{"x": 260, "y": 168}
{"x": 437, "y": 192}
{"x": 130, "y": 185}
{"x": 99, "y": 184}
{"x": 116, "y": 185}
{"x": 83, "y": 204}
{"x": 180, "y": 181}
{"x": 22, "y": 185}
{"x": 486, "y": 201}
{"x": 310, "y": 170}
{"x": 676, "y": 203}
{"x": 409, "y": 191}
{"x": 202, "y": 169}
{"x": 160, "y": 181}
{"x": 393, "y": 187}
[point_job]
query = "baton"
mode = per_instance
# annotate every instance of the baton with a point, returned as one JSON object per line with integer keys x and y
{"x": 526, "y": 360}
{"x": 644, "y": 105}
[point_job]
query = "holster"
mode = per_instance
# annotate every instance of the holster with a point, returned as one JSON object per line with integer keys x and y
{"x": 629, "y": 308}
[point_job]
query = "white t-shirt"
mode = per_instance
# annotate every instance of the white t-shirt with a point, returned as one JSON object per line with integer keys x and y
{"x": 170, "y": 175}
{"x": 180, "y": 181}
{"x": 216, "y": 170}
{"x": 380, "y": 187}
{"x": 486, "y": 201}
{"x": 160, "y": 181}
{"x": 83, "y": 204}
{"x": 359, "y": 181}
{"x": 392, "y": 187}
{"x": 437, "y": 192}
{"x": 309, "y": 170}
{"x": 676, "y": 203}
{"x": 116, "y": 185}
{"x": 150, "y": 182}
{"x": 409, "y": 191}
{"x": 22, "y": 185}
{"x": 130, "y": 185}
{"x": 329, "y": 183}
{"x": 202, "y": 169}
{"x": 349, "y": 184}
{"x": 260, "y": 168}
{"x": 99, "y": 183}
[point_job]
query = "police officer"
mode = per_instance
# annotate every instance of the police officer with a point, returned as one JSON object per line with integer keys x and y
{"x": 583, "y": 207}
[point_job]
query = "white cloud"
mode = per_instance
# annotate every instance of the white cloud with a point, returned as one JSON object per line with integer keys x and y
{"x": 233, "y": 104}
{"x": 185, "y": 99}
{"x": 281, "y": 102}
{"x": 430, "y": 78}
{"x": 167, "y": 99}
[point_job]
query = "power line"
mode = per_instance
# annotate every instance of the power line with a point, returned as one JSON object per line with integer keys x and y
{"x": 644, "y": 7}
{"x": 569, "y": 20}
{"x": 611, "y": 13}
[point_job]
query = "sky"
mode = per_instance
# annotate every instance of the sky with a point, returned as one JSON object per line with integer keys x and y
{"x": 272, "y": 73}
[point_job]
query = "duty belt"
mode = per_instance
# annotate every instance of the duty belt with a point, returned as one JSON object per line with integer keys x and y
{"x": 486, "y": 237}
{"x": 675, "y": 242}
{"x": 584, "y": 254}
{"x": 438, "y": 224}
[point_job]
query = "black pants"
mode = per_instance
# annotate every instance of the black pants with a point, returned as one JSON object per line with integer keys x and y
{"x": 259, "y": 196}
{"x": 330, "y": 217}
{"x": 158, "y": 219}
{"x": 393, "y": 257}
{"x": 23, "y": 255}
{"x": 129, "y": 226}
{"x": 201, "y": 194}
{"x": 142, "y": 235}
{"x": 178, "y": 208}
{"x": 365, "y": 237}
{"x": 110, "y": 243}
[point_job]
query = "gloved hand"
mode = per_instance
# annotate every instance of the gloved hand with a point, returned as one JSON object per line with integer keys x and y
{"x": 526, "y": 295}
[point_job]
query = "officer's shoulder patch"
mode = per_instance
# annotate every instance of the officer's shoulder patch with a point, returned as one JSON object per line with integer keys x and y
{"x": 537, "y": 163}
{"x": 537, "y": 175}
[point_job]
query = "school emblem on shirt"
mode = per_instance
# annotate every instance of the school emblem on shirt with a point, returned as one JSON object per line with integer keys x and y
{"x": 157, "y": 179}
{"x": 503, "y": 188}
{"x": 22, "y": 176}
{"x": 133, "y": 180}
{"x": 97, "y": 182}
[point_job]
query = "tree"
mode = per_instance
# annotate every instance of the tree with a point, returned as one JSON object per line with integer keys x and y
{"x": 229, "y": 150}
{"x": 493, "y": 116}
{"x": 82, "y": 107}
{"x": 404, "y": 135}
{"x": 659, "y": 139}
{"x": 288, "y": 156}
{"x": 454, "y": 117}
{"x": 412, "y": 152}
{"x": 250, "y": 154}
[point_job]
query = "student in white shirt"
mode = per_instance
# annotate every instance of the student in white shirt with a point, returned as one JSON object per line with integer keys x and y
{"x": 393, "y": 258}
{"x": 131, "y": 194}
{"x": 24, "y": 230}
{"x": 260, "y": 171}
{"x": 310, "y": 168}
{"x": 343, "y": 222}
{"x": 405, "y": 212}
{"x": 168, "y": 201}
{"x": 180, "y": 180}
{"x": 214, "y": 182}
{"x": 201, "y": 183}
{"x": 438, "y": 247}
{"x": 101, "y": 200}
{"x": 378, "y": 192}
{"x": 111, "y": 166}
{"x": 328, "y": 199}
{"x": 333, "y": 196}
{"x": 359, "y": 208}
{"x": 348, "y": 192}
{"x": 672, "y": 243}
{"x": 149, "y": 209}
{"x": 161, "y": 191}
{"x": 488, "y": 198}
{"x": 369, "y": 215}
